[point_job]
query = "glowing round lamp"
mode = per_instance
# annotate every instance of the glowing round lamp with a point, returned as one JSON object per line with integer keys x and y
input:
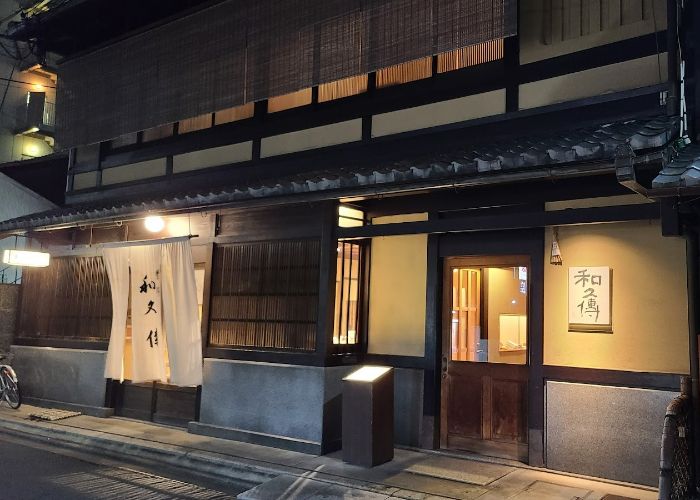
{"x": 154, "y": 223}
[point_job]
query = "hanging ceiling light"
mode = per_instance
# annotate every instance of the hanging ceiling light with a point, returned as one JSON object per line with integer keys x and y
{"x": 154, "y": 223}
{"x": 26, "y": 258}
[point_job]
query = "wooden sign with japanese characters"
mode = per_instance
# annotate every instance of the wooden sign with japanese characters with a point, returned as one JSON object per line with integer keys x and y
{"x": 590, "y": 299}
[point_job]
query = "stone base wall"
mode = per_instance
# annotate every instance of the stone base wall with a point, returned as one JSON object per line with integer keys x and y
{"x": 56, "y": 377}
{"x": 605, "y": 431}
{"x": 9, "y": 298}
{"x": 293, "y": 407}
{"x": 288, "y": 406}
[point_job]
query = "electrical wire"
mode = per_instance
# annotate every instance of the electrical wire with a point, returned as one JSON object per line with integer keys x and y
{"x": 4, "y": 95}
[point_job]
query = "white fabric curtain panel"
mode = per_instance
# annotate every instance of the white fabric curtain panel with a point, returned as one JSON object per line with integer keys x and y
{"x": 148, "y": 344}
{"x": 181, "y": 314}
{"x": 116, "y": 262}
{"x": 166, "y": 343}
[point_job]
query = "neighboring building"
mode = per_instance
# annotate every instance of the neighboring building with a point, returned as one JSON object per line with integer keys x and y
{"x": 27, "y": 113}
{"x": 386, "y": 192}
{"x": 27, "y": 98}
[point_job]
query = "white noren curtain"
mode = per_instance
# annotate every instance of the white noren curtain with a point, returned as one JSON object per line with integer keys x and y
{"x": 181, "y": 314}
{"x": 116, "y": 262}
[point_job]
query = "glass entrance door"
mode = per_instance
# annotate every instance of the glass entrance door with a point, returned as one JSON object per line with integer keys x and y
{"x": 484, "y": 372}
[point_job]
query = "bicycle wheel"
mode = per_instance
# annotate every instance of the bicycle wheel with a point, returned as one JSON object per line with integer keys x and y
{"x": 12, "y": 394}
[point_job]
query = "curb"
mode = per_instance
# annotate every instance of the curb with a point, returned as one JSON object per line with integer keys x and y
{"x": 211, "y": 464}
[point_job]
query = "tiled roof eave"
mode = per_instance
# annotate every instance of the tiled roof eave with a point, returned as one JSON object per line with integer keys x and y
{"x": 562, "y": 153}
{"x": 234, "y": 198}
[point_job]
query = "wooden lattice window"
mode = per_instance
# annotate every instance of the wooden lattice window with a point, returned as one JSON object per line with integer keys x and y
{"x": 265, "y": 295}
{"x": 348, "y": 295}
{"x": 569, "y": 19}
{"x": 70, "y": 299}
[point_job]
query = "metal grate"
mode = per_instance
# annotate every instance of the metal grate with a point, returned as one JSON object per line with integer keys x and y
{"x": 237, "y": 52}
{"x": 676, "y": 479}
{"x": 265, "y": 295}
{"x": 70, "y": 299}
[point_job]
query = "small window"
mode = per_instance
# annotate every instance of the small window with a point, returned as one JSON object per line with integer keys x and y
{"x": 289, "y": 101}
{"x": 470, "y": 56}
{"x": 234, "y": 114}
{"x": 348, "y": 284}
{"x": 350, "y": 217}
{"x": 342, "y": 88}
{"x": 156, "y": 133}
{"x": 405, "y": 72}
{"x": 193, "y": 124}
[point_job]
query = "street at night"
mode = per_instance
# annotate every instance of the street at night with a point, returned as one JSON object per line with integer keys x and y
{"x": 33, "y": 471}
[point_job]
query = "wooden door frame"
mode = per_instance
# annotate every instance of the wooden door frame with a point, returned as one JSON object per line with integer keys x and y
{"x": 528, "y": 242}
{"x": 448, "y": 265}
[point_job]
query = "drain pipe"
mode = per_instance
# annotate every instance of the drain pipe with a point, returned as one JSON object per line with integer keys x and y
{"x": 692, "y": 256}
{"x": 673, "y": 99}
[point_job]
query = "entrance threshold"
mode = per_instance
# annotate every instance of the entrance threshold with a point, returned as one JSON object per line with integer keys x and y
{"x": 476, "y": 457}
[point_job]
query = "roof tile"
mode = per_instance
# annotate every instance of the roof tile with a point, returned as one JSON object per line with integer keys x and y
{"x": 576, "y": 145}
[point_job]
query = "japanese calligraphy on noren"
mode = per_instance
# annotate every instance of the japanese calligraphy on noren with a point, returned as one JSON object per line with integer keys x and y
{"x": 150, "y": 288}
{"x": 590, "y": 299}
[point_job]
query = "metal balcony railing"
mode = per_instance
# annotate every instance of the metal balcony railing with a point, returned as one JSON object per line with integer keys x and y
{"x": 36, "y": 115}
{"x": 49, "y": 117}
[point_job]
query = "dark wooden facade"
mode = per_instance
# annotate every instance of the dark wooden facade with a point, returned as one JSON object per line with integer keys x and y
{"x": 252, "y": 313}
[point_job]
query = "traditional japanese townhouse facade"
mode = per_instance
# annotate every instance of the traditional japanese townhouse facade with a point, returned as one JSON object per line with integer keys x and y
{"x": 382, "y": 183}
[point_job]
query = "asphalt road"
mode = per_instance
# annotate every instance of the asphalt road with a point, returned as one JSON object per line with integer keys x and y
{"x": 30, "y": 470}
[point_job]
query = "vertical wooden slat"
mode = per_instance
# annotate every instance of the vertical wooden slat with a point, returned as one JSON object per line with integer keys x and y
{"x": 265, "y": 299}
{"x": 632, "y": 11}
{"x": 572, "y": 20}
{"x": 557, "y": 20}
{"x": 611, "y": 14}
{"x": 547, "y": 22}
{"x": 68, "y": 300}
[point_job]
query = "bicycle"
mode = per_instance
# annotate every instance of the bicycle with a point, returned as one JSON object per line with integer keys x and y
{"x": 9, "y": 386}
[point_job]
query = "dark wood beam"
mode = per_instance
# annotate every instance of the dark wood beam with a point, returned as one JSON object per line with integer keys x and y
{"x": 508, "y": 221}
{"x": 642, "y": 380}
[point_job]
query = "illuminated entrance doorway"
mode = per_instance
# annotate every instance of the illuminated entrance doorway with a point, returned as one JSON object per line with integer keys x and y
{"x": 484, "y": 383}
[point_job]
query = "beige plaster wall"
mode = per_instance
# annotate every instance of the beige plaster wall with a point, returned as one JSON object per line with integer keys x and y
{"x": 212, "y": 157}
{"x": 601, "y": 201}
{"x": 632, "y": 74}
{"x": 649, "y": 301}
{"x": 397, "y": 291}
{"x": 439, "y": 113}
{"x": 311, "y": 138}
{"x": 85, "y": 180}
{"x": 532, "y": 47}
{"x": 134, "y": 171}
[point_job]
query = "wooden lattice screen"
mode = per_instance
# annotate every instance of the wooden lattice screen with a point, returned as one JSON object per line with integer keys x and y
{"x": 265, "y": 295}
{"x": 234, "y": 52}
{"x": 70, "y": 299}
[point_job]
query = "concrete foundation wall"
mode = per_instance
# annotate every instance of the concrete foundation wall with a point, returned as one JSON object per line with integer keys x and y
{"x": 72, "y": 376}
{"x": 294, "y": 407}
{"x": 284, "y": 405}
{"x": 604, "y": 431}
{"x": 9, "y": 294}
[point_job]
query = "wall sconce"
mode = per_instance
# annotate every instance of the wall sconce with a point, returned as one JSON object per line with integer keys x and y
{"x": 26, "y": 258}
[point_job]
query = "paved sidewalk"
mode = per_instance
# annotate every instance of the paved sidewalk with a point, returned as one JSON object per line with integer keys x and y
{"x": 273, "y": 473}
